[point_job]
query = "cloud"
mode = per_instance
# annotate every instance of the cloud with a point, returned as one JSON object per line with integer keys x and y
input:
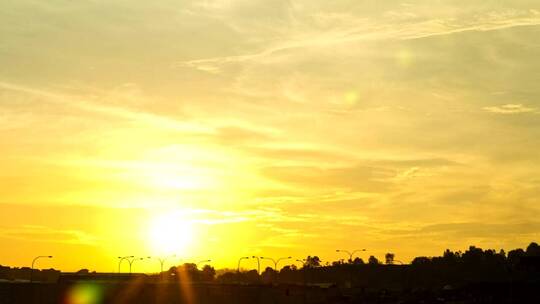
{"x": 352, "y": 29}
{"x": 228, "y": 135}
{"x": 48, "y": 234}
{"x": 420, "y": 162}
{"x": 340, "y": 113}
{"x": 487, "y": 22}
{"x": 478, "y": 229}
{"x": 99, "y": 108}
{"x": 510, "y": 109}
{"x": 320, "y": 155}
{"x": 357, "y": 178}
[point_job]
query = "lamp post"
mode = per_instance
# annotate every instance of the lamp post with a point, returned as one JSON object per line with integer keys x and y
{"x": 305, "y": 277}
{"x": 203, "y": 261}
{"x": 162, "y": 260}
{"x": 258, "y": 264}
{"x": 120, "y": 259}
{"x": 350, "y": 282}
{"x": 240, "y": 260}
{"x": 276, "y": 262}
{"x": 350, "y": 253}
{"x": 132, "y": 261}
{"x": 34, "y": 261}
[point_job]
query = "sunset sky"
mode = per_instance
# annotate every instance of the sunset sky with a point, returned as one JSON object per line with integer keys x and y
{"x": 273, "y": 128}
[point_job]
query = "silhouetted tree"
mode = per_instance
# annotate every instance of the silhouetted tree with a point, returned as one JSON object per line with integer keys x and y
{"x": 208, "y": 273}
{"x": 373, "y": 260}
{"x": 389, "y": 258}
{"x": 533, "y": 249}
{"x": 358, "y": 261}
{"x": 451, "y": 257}
{"x": 474, "y": 265}
{"x": 473, "y": 256}
{"x": 515, "y": 255}
{"x": 269, "y": 275}
{"x": 293, "y": 267}
{"x": 251, "y": 276}
{"x": 312, "y": 261}
{"x": 418, "y": 261}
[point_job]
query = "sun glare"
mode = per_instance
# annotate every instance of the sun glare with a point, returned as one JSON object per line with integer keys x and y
{"x": 169, "y": 233}
{"x": 170, "y": 180}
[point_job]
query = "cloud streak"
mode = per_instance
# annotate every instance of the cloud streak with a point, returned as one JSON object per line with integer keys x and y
{"x": 510, "y": 109}
{"x": 355, "y": 30}
{"x": 117, "y": 112}
{"x": 49, "y": 235}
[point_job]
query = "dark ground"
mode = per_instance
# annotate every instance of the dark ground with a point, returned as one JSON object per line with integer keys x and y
{"x": 137, "y": 291}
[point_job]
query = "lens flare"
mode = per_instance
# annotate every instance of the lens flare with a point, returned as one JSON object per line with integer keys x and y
{"x": 85, "y": 293}
{"x": 404, "y": 58}
{"x": 351, "y": 98}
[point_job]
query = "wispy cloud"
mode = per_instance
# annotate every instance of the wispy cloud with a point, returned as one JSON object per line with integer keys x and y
{"x": 48, "y": 234}
{"x": 353, "y": 29}
{"x": 84, "y": 104}
{"x": 510, "y": 109}
{"x": 491, "y": 21}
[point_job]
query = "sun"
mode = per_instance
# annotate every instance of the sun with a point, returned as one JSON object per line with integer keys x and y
{"x": 169, "y": 233}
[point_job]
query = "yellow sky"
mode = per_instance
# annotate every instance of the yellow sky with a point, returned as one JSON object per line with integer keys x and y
{"x": 272, "y": 128}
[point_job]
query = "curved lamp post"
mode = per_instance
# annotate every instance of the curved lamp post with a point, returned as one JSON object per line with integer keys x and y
{"x": 120, "y": 259}
{"x": 350, "y": 253}
{"x": 240, "y": 260}
{"x": 258, "y": 264}
{"x": 132, "y": 261}
{"x": 276, "y": 262}
{"x": 34, "y": 261}
{"x": 304, "y": 274}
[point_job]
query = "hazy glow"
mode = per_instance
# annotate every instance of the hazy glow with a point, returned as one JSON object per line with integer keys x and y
{"x": 172, "y": 180}
{"x": 170, "y": 234}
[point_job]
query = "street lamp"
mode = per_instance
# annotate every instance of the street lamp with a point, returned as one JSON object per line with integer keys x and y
{"x": 120, "y": 259}
{"x": 240, "y": 260}
{"x": 276, "y": 262}
{"x": 350, "y": 253}
{"x": 304, "y": 262}
{"x": 258, "y": 264}
{"x": 132, "y": 261}
{"x": 162, "y": 260}
{"x": 34, "y": 261}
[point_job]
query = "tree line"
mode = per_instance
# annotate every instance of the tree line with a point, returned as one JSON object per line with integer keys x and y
{"x": 452, "y": 268}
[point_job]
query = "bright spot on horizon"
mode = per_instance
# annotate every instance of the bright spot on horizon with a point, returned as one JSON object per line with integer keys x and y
{"x": 169, "y": 233}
